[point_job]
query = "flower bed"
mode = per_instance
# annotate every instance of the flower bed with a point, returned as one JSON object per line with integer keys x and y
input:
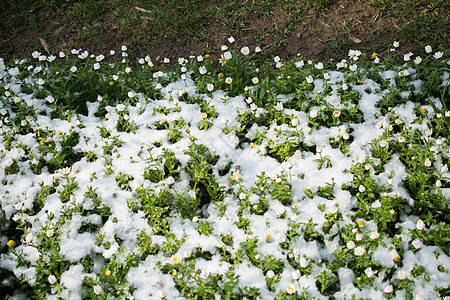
{"x": 239, "y": 178}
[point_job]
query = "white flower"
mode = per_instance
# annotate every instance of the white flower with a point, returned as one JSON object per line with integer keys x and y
{"x": 303, "y": 262}
{"x": 290, "y": 289}
{"x": 50, "y": 99}
{"x": 417, "y": 60}
{"x": 369, "y": 272}
{"x": 228, "y": 80}
{"x": 170, "y": 180}
{"x": 427, "y": 162}
{"x": 120, "y": 107}
{"x": 50, "y": 232}
{"x": 210, "y": 87}
{"x": 351, "y": 245}
{"x": 257, "y": 49}
{"x": 97, "y": 288}
{"x": 224, "y": 48}
{"x": 402, "y": 274}
{"x": 396, "y": 44}
{"x": 255, "y": 80}
{"x": 360, "y": 251}
{"x": 309, "y": 79}
{"x": 353, "y": 67}
{"x": 202, "y": 70}
{"x": 428, "y": 49}
{"x": 313, "y": 113}
{"x": 359, "y": 237}
{"x": 438, "y": 55}
{"x": 115, "y": 77}
{"x": 319, "y": 66}
{"x": 326, "y": 76}
{"x": 420, "y": 225}
{"x": 73, "y": 69}
{"x": 35, "y": 54}
{"x": 96, "y": 66}
{"x": 295, "y": 275}
{"x": 336, "y": 113}
{"x": 65, "y": 171}
{"x": 23, "y": 122}
{"x": 227, "y": 55}
{"x": 52, "y": 279}
{"x": 166, "y": 60}
{"x": 14, "y": 71}
{"x": 389, "y": 289}
{"x": 417, "y": 244}
{"x": 279, "y": 106}
{"x": 407, "y": 56}
{"x": 382, "y": 143}
{"x": 374, "y": 235}
{"x": 276, "y": 59}
{"x": 231, "y": 40}
{"x": 299, "y": 64}
{"x": 362, "y": 188}
{"x": 40, "y": 81}
{"x": 438, "y": 183}
{"x": 294, "y": 122}
{"x": 270, "y": 274}
{"x": 245, "y": 51}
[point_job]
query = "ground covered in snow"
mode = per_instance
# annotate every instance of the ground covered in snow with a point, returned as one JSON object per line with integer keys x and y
{"x": 288, "y": 179}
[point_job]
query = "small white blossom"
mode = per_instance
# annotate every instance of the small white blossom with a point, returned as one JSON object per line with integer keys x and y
{"x": 428, "y": 49}
{"x": 420, "y": 225}
{"x": 52, "y": 279}
{"x": 97, "y": 288}
{"x": 389, "y": 289}
{"x": 438, "y": 55}
{"x": 360, "y": 251}
{"x": 351, "y": 245}
{"x": 245, "y": 51}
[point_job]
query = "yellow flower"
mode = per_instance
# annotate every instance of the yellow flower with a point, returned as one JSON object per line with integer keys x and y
{"x": 11, "y": 243}
{"x": 175, "y": 259}
{"x": 166, "y": 208}
{"x": 207, "y": 56}
{"x": 269, "y": 236}
{"x": 360, "y": 223}
{"x": 107, "y": 272}
{"x": 42, "y": 142}
{"x": 111, "y": 83}
{"x": 6, "y": 143}
{"x": 374, "y": 54}
{"x": 424, "y": 111}
{"x": 221, "y": 75}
